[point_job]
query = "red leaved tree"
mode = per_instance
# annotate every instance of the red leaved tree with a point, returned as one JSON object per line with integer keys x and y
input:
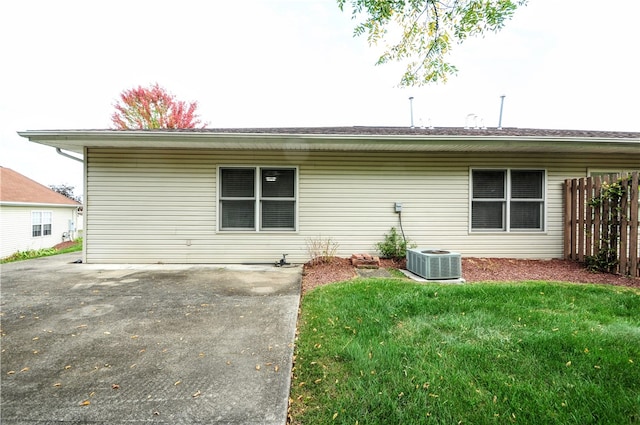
{"x": 153, "y": 107}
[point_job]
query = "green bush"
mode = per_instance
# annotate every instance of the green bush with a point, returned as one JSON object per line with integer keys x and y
{"x": 28, "y": 254}
{"x": 45, "y": 252}
{"x": 605, "y": 261}
{"x": 394, "y": 245}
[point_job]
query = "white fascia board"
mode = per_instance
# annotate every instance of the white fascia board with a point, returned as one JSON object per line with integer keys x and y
{"x": 37, "y": 205}
{"x": 76, "y": 140}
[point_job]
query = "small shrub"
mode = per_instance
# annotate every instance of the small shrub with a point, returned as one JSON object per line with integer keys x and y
{"x": 605, "y": 261}
{"x": 321, "y": 250}
{"x": 29, "y": 254}
{"x": 45, "y": 252}
{"x": 394, "y": 245}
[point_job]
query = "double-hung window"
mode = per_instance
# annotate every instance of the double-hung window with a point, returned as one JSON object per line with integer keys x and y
{"x": 507, "y": 200}
{"x": 41, "y": 223}
{"x": 257, "y": 198}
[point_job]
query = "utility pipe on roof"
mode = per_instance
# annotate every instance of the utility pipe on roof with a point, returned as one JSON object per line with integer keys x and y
{"x": 501, "y": 106}
{"x": 69, "y": 156}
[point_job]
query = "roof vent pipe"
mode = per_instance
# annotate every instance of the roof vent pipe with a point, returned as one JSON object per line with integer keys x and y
{"x": 501, "y": 106}
{"x": 411, "y": 109}
{"x": 470, "y": 121}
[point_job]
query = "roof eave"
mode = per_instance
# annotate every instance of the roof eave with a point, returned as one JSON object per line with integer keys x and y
{"x": 77, "y": 140}
{"x": 37, "y": 204}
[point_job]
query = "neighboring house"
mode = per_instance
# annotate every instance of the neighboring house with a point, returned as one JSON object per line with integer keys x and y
{"x": 251, "y": 195}
{"x": 32, "y": 216}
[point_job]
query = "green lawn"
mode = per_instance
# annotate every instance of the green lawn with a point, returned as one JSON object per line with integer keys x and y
{"x": 385, "y": 351}
{"x": 46, "y": 252}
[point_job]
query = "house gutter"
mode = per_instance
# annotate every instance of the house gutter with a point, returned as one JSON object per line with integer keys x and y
{"x": 69, "y": 156}
{"x": 299, "y": 139}
{"x": 37, "y": 204}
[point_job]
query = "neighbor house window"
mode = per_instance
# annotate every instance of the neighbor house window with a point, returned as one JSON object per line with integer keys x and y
{"x": 262, "y": 198}
{"x": 507, "y": 200}
{"x": 40, "y": 223}
{"x": 606, "y": 174}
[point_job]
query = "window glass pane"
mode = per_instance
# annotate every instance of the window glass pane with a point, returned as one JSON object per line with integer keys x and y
{"x": 237, "y": 214}
{"x": 526, "y": 215}
{"x": 606, "y": 176}
{"x": 278, "y": 183}
{"x": 526, "y": 184}
{"x": 238, "y": 182}
{"x": 487, "y": 215}
{"x": 488, "y": 184}
{"x": 46, "y": 229}
{"x": 36, "y": 223}
{"x": 278, "y": 214}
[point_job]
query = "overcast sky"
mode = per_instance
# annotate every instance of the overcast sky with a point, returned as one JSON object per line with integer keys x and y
{"x": 569, "y": 64}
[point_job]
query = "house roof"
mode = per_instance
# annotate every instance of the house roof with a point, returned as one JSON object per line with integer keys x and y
{"x": 16, "y": 188}
{"x": 445, "y": 139}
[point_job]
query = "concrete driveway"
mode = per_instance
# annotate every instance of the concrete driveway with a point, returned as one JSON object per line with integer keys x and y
{"x": 168, "y": 344}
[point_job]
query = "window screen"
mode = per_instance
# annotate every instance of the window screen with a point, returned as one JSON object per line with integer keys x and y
{"x": 488, "y": 184}
{"x": 237, "y": 201}
{"x": 36, "y": 224}
{"x": 278, "y": 214}
{"x": 237, "y": 214}
{"x": 487, "y": 215}
{"x": 238, "y": 182}
{"x": 278, "y": 183}
{"x": 272, "y": 202}
{"x": 46, "y": 223}
{"x": 495, "y": 208}
{"x": 526, "y": 215}
{"x": 526, "y": 184}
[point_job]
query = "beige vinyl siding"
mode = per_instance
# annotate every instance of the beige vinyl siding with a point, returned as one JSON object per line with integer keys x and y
{"x": 149, "y": 206}
{"x": 16, "y": 230}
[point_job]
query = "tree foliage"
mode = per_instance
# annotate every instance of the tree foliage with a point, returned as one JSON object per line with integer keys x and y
{"x": 422, "y": 32}
{"x": 152, "y": 108}
{"x": 66, "y": 190}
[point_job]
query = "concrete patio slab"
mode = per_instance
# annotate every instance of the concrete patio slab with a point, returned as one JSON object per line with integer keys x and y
{"x": 146, "y": 344}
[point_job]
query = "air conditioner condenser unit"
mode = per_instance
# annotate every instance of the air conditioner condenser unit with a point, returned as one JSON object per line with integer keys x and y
{"x": 434, "y": 264}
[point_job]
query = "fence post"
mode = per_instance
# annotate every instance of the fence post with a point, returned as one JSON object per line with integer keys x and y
{"x": 574, "y": 224}
{"x": 567, "y": 219}
{"x": 581, "y": 229}
{"x": 597, "y": 222}
{"x": 624, "y": 223}
{"x": 634, "y": 201}
{"x": 589, "y": 213}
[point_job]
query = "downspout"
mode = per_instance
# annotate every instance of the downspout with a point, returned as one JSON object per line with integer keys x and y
{"x": 84, "y": 239}
{"x": 69, "y": 156}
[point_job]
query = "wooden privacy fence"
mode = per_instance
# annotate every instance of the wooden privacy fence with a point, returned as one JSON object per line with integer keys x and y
{"x": 601, "y": 222}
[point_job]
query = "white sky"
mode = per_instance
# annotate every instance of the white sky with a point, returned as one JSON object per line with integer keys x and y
{"x": 562, "y": 64}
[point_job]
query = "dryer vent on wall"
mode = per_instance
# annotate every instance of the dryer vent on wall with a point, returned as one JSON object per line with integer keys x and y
{"x": 434, "y": 264}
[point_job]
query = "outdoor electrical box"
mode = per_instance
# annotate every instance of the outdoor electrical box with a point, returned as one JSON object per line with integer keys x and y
{"x": 398, "y": 207}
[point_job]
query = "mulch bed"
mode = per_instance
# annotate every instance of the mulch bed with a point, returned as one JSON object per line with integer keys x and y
{"x": 478, "y": 270}
{"x": 63, "y": 245}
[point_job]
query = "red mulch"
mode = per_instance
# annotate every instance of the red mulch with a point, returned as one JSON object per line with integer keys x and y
{"x": 63, "y": 245}
{"x": 479, "y": 270}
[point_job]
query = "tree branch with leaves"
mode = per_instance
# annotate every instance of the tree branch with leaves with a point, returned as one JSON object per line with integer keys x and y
{"x": 153, "y": 108}
{"x": 66, "y": 190}
{"x": 422, "y": 32}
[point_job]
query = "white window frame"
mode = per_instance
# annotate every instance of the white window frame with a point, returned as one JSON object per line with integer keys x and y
{"x": 507, "y": 200}
{"x": 44, "y": 218}
{"x": 258, "y": 198}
